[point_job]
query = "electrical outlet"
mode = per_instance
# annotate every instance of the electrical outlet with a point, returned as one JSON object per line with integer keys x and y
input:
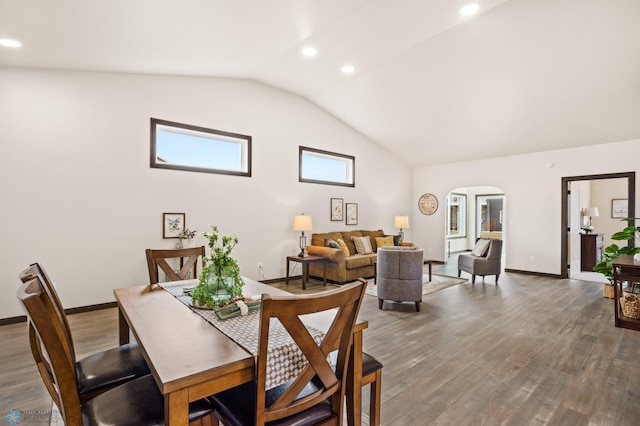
{"x": 532, "y": 258}
{"x": 259, "y": 265}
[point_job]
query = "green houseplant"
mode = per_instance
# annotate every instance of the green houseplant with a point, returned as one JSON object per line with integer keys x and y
{"x": 611, "y": 253}
{"x": 220, "y": 280}
{"x": 187, "y": 238}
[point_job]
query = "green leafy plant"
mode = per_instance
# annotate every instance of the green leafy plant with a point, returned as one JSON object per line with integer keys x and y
{"x": 220, "y": 279}
{"x": 187, "y": 234}
{"x": 611, "y": 253}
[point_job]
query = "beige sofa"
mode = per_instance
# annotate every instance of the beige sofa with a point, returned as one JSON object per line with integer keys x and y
{"x": 341, "y": 268}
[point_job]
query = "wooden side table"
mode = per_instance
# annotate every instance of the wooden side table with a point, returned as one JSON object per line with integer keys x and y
{"x": 305, "y": 261}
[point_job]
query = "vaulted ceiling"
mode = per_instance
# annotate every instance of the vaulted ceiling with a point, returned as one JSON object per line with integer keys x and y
{"x": 429, "y": 84}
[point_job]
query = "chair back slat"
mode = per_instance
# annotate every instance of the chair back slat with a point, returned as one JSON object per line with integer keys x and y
{"x": 50, "y": 349}
{"x": 328, "y": 382}
{"x": 188, "y": 259}
{"x": 33, "y": 271}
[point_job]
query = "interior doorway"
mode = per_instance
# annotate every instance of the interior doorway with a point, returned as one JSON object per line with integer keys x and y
{"x": 472, "y": 213}
{"x": 574, "y": 220}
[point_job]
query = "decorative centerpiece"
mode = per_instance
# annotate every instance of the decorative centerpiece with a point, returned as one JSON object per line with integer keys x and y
{"x": 220, "y": 282}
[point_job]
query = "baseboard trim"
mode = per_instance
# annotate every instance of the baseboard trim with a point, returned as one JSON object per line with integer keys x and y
{"x": 12, "y": 320}
{"x": 277, "y": 280}
{"x": 540, "y": 274}
{"x": 70, "y": 311}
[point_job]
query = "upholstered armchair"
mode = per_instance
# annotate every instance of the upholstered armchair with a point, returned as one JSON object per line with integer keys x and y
{"x": 485, "y": 259}
{"x": 399, "y": 275}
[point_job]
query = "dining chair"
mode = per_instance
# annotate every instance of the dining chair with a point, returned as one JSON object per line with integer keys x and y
{"x": 188, "y": 259}
{"x": 372, "y": 375}
{"x": 137, "y": 402}
{"x": 101, "y": 371}
{"x": 316, "y": 394}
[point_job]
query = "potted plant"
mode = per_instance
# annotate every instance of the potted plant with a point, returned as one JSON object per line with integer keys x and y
{"x": 611, "y": 253}
{"x": 187, "y": 238}
{"x": 220, "y": 280}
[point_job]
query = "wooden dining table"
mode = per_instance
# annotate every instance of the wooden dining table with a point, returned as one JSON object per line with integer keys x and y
{"x": 191, "y": 359}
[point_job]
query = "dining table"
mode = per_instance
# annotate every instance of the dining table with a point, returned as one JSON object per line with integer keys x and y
{"x": 191, "y": 359}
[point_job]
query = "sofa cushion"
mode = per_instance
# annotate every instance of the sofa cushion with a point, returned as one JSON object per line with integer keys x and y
{"x": 344, "y": 247}
{"x": 328, "y": 242}
{"x": 359, "y": 260}
{"x": 363, "y": 245}
{"x": 481, "y": 247}
{"x": 384, "y": 242}
{"x": 346, "y": 237}
{"x": 372, "y": 236}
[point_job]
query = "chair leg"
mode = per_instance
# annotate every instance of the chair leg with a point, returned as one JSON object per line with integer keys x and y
{"x": 459, "y": 271}
{"x": 497, "y": 277}
{"x": 418, "y": 305}
{"x": 380, "y": 301}
{"x": 473, "y": 278}
{"x": 375, "y": 391}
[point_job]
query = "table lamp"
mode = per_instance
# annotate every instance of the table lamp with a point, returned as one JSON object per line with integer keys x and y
{"x": 591, "y": 212}
{"x": 302, "y": 223}
{"x": 401, "y": 221}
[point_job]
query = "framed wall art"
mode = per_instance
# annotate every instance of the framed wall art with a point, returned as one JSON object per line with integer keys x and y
{"x": 337, "y": 209}
{"x": 172, "y": 224}
{"x": 352, "y": 213}
{"x": 620, "y": 208}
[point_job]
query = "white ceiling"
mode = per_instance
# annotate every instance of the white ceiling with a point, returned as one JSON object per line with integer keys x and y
{"x": 433, "y": 86}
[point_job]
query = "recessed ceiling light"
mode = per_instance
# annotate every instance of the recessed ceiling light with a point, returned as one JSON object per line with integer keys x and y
{"x": 348, "y": 69}
{"x": 469, "y": 9}
{"x": 7, "y": 42}
{"x": 309, "y": 51}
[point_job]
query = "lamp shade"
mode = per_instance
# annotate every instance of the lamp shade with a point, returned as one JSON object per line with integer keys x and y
{"x": 591, "y": 212}
{"x": 302, "y": 223}
{"x": 401, "y": 221}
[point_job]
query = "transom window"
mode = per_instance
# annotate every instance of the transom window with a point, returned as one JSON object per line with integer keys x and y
{"x": 181, "y": 146}
{"x": 330, "y": 168}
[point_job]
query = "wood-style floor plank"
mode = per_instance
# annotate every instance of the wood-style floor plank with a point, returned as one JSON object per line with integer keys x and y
{"x": 528, "y": 351}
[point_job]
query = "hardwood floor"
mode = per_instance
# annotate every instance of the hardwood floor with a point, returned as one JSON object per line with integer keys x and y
{"x": 529, "y": 351}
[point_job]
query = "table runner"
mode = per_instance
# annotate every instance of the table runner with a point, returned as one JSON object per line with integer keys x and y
{"x": 284, "y": 360}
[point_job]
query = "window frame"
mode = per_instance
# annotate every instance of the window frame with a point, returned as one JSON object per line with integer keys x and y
{"x": 155, "y": 123}
{"x": 462, "y": 215}
{"x": 352, "y": 159}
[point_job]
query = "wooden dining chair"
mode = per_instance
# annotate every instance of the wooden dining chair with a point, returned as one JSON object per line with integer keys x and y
{"x": 316, "y": 394}
{"x": 188, "y": 259}
{"x": 137, "y": 402}
{"x": 101, "y": 371}
{"x": 372, "y": 375}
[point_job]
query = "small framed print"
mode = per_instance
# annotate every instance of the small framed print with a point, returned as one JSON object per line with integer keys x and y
{"x": 352, "y": 213}
{"x": 172, "y": 224}
{"x": 620, "y": 209}
{"x": 336, "y": 209}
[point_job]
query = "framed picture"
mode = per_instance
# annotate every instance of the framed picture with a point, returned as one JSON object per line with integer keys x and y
{"x": 352, "y": 213}
{"x": 172, "y": 224}
{"x": 336, "y": 209}
{"x": 620, "y": 208}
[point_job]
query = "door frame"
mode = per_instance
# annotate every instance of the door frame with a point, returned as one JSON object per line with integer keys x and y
{"x": 564, "y": 222}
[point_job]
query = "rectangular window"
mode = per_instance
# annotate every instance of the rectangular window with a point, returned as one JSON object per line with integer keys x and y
{"x": 180, "y": 146}
{"x": 326, "y": 167}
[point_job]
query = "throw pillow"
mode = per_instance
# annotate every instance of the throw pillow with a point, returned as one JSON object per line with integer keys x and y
{"x": 363, "y": 245}
{"x": 344, "y": 248}
{"x": 481, "y": 247}
{"x": 328, "y": 242}
{"x": 384, "y": 241}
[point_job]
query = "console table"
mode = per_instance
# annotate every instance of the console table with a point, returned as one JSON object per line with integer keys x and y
{"x": 625, "y": 269}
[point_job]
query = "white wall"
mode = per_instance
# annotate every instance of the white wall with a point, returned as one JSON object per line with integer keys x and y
{"x": 79, "y": 196}
{"x": 533, "y": 197}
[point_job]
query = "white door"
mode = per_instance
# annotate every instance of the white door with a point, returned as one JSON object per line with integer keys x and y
{"x": 574, "y": 232}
